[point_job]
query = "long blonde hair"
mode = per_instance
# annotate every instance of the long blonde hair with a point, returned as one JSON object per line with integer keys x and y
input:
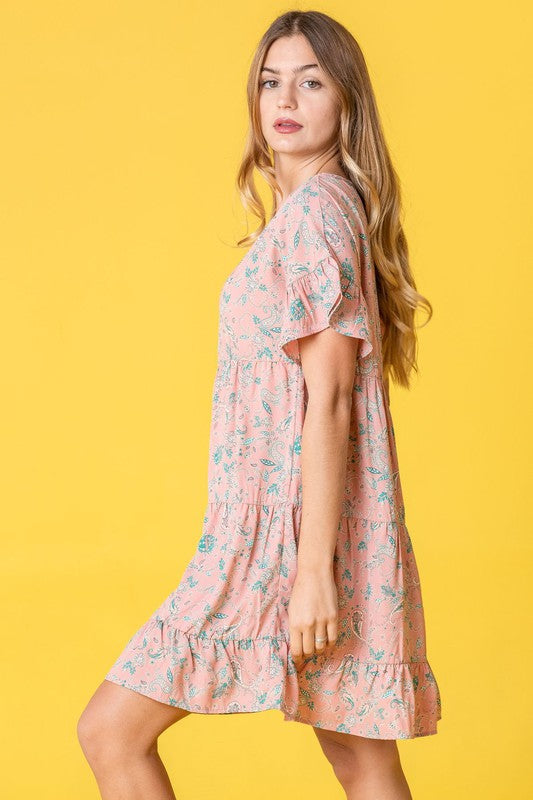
{"x": 363, "y": 156}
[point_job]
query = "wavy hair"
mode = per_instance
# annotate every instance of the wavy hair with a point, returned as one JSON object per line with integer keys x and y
{"x": 365, "y": 160}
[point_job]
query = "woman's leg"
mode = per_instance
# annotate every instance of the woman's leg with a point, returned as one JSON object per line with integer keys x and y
{"x": 118, "y": 732}
{"x": 366, "y": 768}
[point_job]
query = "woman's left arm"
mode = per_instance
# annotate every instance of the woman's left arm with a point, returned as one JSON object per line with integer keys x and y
{"x": 328, "y": 363}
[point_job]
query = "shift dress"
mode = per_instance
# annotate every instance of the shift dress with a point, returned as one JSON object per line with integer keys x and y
{"x": 219, "y": 643}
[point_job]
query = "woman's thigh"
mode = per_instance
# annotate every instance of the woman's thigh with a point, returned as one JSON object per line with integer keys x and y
{"x": 118, "y": 717}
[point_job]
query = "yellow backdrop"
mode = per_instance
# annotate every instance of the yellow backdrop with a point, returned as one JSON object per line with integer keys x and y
{"x": 122, "y": 129}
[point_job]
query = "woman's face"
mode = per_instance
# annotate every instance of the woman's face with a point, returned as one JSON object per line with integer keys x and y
{"x": 305, "y": 96}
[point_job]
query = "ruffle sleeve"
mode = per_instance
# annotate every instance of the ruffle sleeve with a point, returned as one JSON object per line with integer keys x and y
{"x": 323, "y": 286}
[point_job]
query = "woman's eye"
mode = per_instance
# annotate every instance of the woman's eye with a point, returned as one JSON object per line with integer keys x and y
{"x": 271, "y": 80}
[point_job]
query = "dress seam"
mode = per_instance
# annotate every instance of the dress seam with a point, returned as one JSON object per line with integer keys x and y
{"x": 293, "y": 431}
{"x": 396, "y": 521}
{"x": 296, "y": 408}
{"x": 359, "y": 376}
{"x": 283, "y": 639}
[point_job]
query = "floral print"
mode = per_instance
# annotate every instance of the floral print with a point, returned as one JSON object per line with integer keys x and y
{"x": 219, "y": 643}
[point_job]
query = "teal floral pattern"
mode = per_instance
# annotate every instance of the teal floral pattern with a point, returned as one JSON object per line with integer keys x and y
{"x": 219, "y": 643}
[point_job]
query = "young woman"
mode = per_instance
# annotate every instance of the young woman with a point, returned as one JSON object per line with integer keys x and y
{"x": 303, "y": 594}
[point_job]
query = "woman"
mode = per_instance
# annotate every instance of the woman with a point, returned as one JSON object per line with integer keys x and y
{"x": 303, "y": 594}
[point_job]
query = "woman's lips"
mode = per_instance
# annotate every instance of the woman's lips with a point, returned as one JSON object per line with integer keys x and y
{"x": 286, "y": 127}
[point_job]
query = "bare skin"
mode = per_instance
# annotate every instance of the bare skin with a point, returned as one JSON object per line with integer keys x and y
{"x": 367, "y": 769}
{"x": 118, "y": 732}
{"x": 119, "y": 729}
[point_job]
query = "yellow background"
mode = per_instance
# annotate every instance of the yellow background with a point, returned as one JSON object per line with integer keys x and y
{"x": 122, "y": 129}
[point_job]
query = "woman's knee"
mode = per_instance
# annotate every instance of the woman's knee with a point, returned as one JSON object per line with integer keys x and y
{"x": 351, "y": 756}
{"x": 95, "y": 733}
{"x": 118, "y": 723}
{"x": 105, "y": 736}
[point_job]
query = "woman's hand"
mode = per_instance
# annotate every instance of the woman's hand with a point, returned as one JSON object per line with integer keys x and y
{"x": 313, "y": 613}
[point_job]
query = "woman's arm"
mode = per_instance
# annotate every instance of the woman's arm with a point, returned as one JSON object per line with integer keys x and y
{"x": 328, "y": 363}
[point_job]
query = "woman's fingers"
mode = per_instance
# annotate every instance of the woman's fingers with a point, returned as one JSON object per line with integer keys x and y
{"x": 296, "y": 647}
{"x": 321, "y": 640}
{"x": 308, "y": 638}
{"x": 332, "y": 635}
{"x": 305, "y": 643}
{"x": 312, "y": 613}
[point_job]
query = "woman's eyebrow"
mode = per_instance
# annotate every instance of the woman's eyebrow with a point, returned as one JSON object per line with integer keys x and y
{"x": 294, "y": 70}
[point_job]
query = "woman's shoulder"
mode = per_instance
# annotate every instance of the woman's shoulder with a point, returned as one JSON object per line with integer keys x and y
{"x": 326, "y": 200}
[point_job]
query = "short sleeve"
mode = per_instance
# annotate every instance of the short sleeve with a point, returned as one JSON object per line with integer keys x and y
{"x": 323, "y": 284}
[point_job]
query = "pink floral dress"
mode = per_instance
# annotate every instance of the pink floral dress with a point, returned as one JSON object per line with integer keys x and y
{"x": 219, "y": 643}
